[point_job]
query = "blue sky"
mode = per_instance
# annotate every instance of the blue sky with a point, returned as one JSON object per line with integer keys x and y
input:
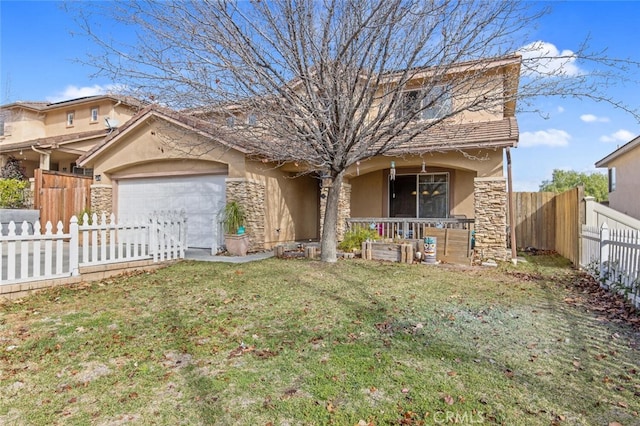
{"x": 38, "y": 51}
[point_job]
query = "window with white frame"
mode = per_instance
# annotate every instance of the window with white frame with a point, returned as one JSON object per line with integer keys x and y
{"x": 612, "y": 179}
{"x": 94, "y": 114}
{"x": 252, "y": 119}
{"x": 70, "y": 118}
{"x": 430, "y": 106}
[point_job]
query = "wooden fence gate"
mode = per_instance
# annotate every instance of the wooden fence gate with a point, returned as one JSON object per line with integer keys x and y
{"x": 550, "y": 221}
{"x": 59, "y": 196}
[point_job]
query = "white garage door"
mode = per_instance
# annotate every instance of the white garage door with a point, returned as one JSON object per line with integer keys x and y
{"x": 200, "y": 196}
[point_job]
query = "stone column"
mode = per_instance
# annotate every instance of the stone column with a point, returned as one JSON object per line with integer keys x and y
{"x": 101, "y": 199}
{"x": 490, "y": 218}
{"x": 250, "y": 194}
{"x": 344, "y": 209}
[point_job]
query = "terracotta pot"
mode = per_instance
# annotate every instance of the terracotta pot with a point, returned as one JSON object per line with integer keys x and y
{"x": 237, "y": 245}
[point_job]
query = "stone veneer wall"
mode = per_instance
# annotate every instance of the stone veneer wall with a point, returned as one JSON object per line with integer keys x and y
{"x": 251, "y": 195}
{"x": 344, "y": 209}
{"x": 101, "y": 199}
{"x": 490, "y": 218}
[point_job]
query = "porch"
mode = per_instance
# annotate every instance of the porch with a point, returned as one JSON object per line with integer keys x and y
{"x": 454, "y": 236}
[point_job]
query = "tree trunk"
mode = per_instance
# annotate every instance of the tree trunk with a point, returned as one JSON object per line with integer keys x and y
{"x": 329, "y": 234}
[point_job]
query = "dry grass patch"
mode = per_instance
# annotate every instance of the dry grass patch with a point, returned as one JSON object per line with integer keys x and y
{"x": 300, "y": 342}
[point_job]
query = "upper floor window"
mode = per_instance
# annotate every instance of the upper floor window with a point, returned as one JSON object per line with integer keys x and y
{"x": 94, "y": 114}
{"x": 612, "y": 179}
{"x": 1, "y": 126}
{"x": 430, "y": 106}
{"x": 252, "y": 119}
{"x": 231, "y": 121}
{"x": 70, "y": 118}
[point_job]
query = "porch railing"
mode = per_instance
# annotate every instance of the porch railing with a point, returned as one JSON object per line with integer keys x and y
{"x": 407, "y": 228}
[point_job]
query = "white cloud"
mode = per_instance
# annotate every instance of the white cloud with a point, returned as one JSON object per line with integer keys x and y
{"x": 545, "y": 59}
{"x": 619, "y": 136}
{"x": 590, "y": 118}
{"x": 74, "y": 92}
{"x": 560, "y": 109}
{"x": 549, "y": 137}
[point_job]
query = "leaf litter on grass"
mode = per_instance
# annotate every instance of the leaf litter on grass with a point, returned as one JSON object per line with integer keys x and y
{"x": 356, "y": 341}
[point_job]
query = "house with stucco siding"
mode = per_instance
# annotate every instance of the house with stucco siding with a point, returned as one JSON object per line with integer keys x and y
{"x": 53, "y": 135}
{"x": 159, "y": 159}
{"x": 623, "y": 167}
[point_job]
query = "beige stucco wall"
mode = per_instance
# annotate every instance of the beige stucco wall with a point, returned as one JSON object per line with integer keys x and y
{"x": 291, "y": 204}
{"x": 368, "y": 194}
{"x": 22, "y": 125}
{"x": 56, "y": 120}
{"x": 25, "y": 125}
{"x": 490, "y": 86}
{"x": 462, "y": 193}
{"x": 156, "y": 148}
{"x": 369, "y": 190}
{"x": 626, "y": 197}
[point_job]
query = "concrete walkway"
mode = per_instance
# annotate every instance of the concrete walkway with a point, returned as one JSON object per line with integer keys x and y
{"x": 204, "y": 255}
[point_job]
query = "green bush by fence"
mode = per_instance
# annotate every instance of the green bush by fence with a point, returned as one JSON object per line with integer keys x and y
{"x": 13, "y": 193}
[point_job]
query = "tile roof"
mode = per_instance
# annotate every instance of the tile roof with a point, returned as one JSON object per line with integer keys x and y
{"x": 44, "y": 106}
{"x": 452, "y": 137}
{"x": 48, "y": 142}
{"x": 200, "y": 126}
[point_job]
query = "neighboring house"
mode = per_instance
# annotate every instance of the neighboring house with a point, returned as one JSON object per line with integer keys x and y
{"x": 162, "y": 159}
{"x": 623, "y": 165}
{"x": 52, "y": 136}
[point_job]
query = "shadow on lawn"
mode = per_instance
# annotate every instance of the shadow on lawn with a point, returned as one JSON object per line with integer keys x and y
{"x": 578, "y": 346}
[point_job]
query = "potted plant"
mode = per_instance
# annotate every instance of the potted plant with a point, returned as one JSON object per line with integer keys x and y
{"x": 234, "y": 221}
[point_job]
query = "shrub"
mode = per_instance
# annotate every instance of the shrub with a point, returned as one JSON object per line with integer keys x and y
{"x": 354, "y": 238}
{"x": 233, "y": 217}
{"x": 12, "y": 193}
{"x": 13, "y": 170}
{"x": 81, "y": 213}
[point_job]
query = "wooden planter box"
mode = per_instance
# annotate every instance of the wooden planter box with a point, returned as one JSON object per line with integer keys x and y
{"x": 453, "y": 246}
{"x": 392, "y": 252}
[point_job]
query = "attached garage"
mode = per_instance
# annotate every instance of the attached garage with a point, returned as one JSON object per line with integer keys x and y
{"x": 201, "y": 196}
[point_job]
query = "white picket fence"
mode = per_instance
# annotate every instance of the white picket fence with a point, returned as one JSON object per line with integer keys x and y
{"x": 31, "y": 256}
{"x": 613, "y": 257}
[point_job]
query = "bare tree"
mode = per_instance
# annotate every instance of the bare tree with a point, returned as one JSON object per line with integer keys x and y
{"x": 328, "y": 77}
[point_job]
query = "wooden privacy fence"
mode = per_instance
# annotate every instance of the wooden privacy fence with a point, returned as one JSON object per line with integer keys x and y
{"x": 26, "y": 256}
{"x": 535, "y": 220}
{"x": 550, "y": 221}
{"x": 59, "y": 196}
{"x": 613, "y": 257}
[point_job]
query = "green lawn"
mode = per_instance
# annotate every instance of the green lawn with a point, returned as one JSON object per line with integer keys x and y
{"x": 300, "y": 342}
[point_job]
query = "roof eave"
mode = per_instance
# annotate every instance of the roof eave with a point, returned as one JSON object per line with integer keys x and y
{"x": 633, "y": 143}
{"x": 133, "y": 123}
